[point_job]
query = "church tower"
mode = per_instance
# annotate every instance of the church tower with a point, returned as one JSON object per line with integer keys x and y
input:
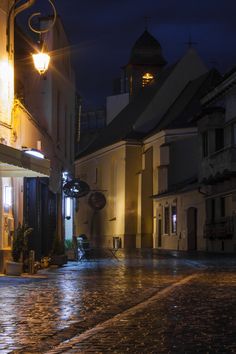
{"x": 145, "y": 63}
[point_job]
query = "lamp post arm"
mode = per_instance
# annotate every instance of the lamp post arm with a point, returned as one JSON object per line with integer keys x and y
{"x": 40, "y": 31}
{"x": 15, "y": 10}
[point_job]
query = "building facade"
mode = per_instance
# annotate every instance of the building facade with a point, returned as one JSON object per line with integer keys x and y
{"x": 216, "y": 126}
{"x": 143, "y": 160}
{"x": 34, "y": 114}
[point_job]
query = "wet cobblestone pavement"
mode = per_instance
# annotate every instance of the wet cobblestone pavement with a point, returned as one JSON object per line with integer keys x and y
{"x": 159, "y": 304}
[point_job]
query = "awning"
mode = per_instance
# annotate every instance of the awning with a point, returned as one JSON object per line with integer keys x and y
{"x": 16, "y": 163}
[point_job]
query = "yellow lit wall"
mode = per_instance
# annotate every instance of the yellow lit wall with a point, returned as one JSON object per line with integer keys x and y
{"x": 6, "y": 69}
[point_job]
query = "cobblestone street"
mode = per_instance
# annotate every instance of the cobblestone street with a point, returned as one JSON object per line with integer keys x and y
{"x": 163, "y": 303}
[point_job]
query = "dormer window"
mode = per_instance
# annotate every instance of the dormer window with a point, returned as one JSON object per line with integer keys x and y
{"x": 147, "y": 79}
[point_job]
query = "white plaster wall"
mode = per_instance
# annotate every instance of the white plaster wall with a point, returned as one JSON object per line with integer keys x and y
{"x": 111, "y": 217}
{"x": 184, "y": 201}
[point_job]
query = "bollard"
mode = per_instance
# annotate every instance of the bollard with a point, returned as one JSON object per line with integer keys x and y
{"x": 31, "y": 261}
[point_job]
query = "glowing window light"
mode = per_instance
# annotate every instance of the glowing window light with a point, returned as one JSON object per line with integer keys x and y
{"x": 68, "y": 208}
{"x": 41, "y": 62}
{"x": 7, "y": 196}
{"x": 146, "y": 79}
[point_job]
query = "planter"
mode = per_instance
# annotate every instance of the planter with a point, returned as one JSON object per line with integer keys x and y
{"x": 14, "y": 268}
{"x": 71, "y": 255}
{"x": 58, "y": 260}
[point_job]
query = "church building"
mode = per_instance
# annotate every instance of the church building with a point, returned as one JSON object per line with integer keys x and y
{"x": 147, "y": 151}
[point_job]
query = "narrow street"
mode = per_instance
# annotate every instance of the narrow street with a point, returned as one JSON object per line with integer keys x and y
{"x": 163, "y": 303}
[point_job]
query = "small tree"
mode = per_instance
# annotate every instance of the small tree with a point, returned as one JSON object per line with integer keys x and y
{"x": 20, "y": 241}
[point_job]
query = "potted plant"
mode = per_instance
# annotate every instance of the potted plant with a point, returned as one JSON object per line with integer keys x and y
{"x": 69, "y": 249}
{"x": 19, "y": 249}
{"x": 58, "y": 256}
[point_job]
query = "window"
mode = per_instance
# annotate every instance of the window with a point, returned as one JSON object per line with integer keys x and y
{"x": 219, "y": 139}
{"x": 147, "y": 79}
{"x": 212, "y": 210}
{"x": 173, "y": 219}
{"x": 222, "y": 206}
{"x": 234, "y": 133}
{"x": 166, "y": 220}
{"x": 204, "y": 144}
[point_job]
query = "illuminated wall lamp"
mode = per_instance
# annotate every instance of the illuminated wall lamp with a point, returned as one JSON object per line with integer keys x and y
{"x": 34, "y": 152}
{"x": 41, "y": 60}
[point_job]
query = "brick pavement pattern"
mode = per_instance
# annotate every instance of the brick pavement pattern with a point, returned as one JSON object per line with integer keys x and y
{"x": 197, "y": 317}
{"x": 157, "y": 304}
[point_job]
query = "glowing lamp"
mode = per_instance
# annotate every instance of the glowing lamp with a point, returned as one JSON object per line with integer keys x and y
{"x": 41, "y": 62}
{"x": 34, "y": 152}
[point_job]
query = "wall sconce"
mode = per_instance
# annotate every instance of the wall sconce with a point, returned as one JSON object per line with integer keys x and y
{"x": 34, "y": 152}
{"x": 41, "y": 59}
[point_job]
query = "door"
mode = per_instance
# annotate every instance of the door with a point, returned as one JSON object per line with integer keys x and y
{"x": 159, "y": 228}
{"x": 192, "y": 228}
{"x": 40, "y": 214}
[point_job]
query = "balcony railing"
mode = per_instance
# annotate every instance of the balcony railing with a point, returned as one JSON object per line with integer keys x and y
{"x": 218, "y": 165}
{"x": 222, "y": 229}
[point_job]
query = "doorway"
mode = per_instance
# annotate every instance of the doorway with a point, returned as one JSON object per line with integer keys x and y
{"x": 192, "y": 228}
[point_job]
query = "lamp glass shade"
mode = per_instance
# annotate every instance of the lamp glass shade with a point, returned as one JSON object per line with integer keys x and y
{"x": 41, "y": 62}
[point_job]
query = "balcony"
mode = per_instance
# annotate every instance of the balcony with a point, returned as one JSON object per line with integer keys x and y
{"x": 218, "y": 166}
{"x": 221, "y": 230}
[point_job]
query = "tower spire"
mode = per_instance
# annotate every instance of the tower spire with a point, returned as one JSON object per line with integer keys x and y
{"x": 146, "y": 19}
{"x": 190, "y": 43}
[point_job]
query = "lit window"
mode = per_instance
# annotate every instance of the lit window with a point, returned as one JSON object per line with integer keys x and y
{"x": 173, "y": 219}
{"x": 8, "y": 196}
{"x": 147, "y": 79}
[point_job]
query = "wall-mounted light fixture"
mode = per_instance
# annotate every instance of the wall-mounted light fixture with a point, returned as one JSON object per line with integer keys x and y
{"x": 34, "y": 152}
{"x": 41, "y": 59}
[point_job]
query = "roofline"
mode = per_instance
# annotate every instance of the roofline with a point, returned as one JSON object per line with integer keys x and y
{"x": 220, "y": 89}
{"x": 170, "y": 132}
{"x": 194, "y": 188}
{"x": 106, "y": 150}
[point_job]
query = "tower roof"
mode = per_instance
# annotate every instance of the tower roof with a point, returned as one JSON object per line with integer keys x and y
{"x": 147, "y": 51}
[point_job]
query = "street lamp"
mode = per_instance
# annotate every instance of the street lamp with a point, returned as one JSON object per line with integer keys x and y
{"x": 41, "y": 59}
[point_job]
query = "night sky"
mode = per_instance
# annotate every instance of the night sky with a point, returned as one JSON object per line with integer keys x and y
{"x": 102, "y": 32}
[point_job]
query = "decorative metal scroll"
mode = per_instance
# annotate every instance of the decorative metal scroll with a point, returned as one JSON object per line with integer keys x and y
{"x": 38, "y": 14}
